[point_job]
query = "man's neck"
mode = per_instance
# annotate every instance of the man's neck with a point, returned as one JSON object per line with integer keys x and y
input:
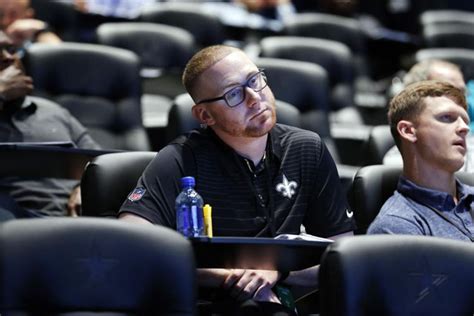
{"x": 252, "y": 148}
{"x": 430, "y": 177}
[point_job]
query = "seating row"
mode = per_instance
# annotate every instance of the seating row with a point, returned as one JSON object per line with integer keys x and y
{"x": 108, "y": 101}
{"x": 127, "y": 269}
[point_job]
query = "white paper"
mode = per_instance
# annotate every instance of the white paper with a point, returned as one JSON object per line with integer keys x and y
{"x": 302, "y": 236}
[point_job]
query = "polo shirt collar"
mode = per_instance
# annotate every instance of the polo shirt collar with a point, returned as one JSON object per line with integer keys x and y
{"x": 25, "y": 109}
{"x": 228, "y": 153}
{"x": 466, "y": 192}
{"x": 437, "y": 199}
{"x": 276, "y": 143}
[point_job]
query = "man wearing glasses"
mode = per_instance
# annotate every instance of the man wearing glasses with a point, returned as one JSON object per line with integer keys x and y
{"x": 261, "y": 178}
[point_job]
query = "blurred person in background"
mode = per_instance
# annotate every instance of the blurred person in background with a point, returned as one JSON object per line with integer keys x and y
{"x": 128, "y": 9}
{"x": 270, "y": 9}
{"x": 18, "y": 22}
{"x": 347, "y": 8}
{"x": 34, "y": 120}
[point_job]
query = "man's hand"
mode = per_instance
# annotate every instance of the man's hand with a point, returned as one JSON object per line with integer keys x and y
{"x": 247, "y": 284}
{"x": 74, "y": 203}
{"x": 24, "y": 29}
{"x": 14, "y": 84}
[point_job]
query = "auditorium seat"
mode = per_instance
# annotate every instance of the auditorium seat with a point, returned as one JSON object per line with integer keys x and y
{"x": 332, "y": 27}
{"x": 373, "y": 185}
{"x": 397, "y": 275}
{"x": 439, "y": 16}
{"x": 449, "y": 35}
{"x": 335, "y": 57}
{"x": 94, "y": 266}
{"x": 99, "y": 85}
{"x": 368, "y": 95}
{"x": 300, "y": 83}
{"x": 206, "y": 28}
{"x": 108, "y": 179}
{"x": 379, "y": 143}
{"x": 163, "y": 51}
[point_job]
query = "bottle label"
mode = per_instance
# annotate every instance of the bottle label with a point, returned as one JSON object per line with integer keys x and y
{"x": 190, "y": 221}
{"x": 183, "y": 221}
{"x": 194, "y": 216}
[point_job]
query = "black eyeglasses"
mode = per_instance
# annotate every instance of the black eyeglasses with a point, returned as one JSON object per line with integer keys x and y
{"x": 236, "y": 95}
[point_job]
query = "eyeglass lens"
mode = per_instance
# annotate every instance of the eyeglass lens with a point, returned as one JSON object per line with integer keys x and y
{"x": 237, "y": 95}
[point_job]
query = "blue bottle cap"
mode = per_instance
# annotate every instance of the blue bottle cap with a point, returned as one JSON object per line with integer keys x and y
{"x": 187, "y": 182}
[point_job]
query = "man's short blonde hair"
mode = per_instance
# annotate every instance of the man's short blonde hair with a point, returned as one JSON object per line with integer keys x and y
{"x": 409, "y": 103}
{"x": 202, "y": 61}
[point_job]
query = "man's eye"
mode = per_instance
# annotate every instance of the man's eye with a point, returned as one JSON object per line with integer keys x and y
{"x": 447, "y": 118}
{"x": 253, "y": 81}
{"x": 234, "y": 93}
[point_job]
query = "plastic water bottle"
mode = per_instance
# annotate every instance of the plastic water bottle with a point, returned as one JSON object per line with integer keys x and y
{"x": 189, "y": 216}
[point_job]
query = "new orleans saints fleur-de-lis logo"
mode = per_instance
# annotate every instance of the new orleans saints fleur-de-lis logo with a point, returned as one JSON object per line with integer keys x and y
{"x": 286, "y": 188}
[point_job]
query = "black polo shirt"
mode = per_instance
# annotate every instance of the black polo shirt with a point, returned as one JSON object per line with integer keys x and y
{"x": 297, "y": 184}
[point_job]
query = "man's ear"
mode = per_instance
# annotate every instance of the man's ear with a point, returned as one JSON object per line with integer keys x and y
{"x": 201, "y": 114}
{"x": 407, "y": 130}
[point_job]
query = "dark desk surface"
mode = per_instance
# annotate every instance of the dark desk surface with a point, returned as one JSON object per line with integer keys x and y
{"x": 48, "y": 160}
{"x": 257, "y": 253}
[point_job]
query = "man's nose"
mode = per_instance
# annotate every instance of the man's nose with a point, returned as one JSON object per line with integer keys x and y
{"x": 251, "y": 96}
{"x": 463, "y": 127}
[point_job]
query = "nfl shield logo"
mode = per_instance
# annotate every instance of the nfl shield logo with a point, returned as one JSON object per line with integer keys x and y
{"x": 136, "y": 194}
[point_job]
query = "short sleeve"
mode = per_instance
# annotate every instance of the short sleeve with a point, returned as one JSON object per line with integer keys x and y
{"x": 155, "y": 193}
{"x": 328, "y": 214}
{"x": 79, "y": 134}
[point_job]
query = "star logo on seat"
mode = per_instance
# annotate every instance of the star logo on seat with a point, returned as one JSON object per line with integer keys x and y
{"x": 428, "y": 281}
{"x": 286, "y": 188}
{"x": 96, "y": 267}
